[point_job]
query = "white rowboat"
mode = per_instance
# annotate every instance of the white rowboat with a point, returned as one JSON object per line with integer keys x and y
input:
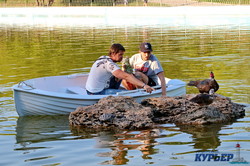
{"x": 63, "y": 94}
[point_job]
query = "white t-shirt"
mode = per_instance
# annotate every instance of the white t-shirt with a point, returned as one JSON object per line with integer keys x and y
{"x": 100, "y": 74}
{"x": 150, "y": 67}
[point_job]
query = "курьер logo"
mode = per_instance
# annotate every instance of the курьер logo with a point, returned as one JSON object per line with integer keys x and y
{"x": 222, "y": 157}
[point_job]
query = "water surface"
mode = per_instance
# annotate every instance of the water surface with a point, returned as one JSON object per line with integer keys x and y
{"x": 186, "y": 53}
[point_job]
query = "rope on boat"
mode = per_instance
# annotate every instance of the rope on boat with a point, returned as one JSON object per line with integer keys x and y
{"x": 20, "y": 85}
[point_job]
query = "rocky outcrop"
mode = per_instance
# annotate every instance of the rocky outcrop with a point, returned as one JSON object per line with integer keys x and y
{"x": 121, "y": 112}
{"x": 183, "y": 111}
{"x": 124, "y": 113}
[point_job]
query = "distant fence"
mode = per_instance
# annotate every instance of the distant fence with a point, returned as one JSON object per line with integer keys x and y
{"x": 165, "y": 3}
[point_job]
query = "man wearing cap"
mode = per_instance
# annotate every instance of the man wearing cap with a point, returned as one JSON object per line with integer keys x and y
{"x": 146, "y": 63}
{"x": 102, "y": 79}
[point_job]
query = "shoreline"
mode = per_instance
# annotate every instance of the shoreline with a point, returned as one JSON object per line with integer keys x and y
{"x": 119, "y": 16}
{"x": 123, "y": 11}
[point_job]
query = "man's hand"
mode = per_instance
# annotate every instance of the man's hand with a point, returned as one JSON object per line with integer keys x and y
{"x": 148, "y": 88}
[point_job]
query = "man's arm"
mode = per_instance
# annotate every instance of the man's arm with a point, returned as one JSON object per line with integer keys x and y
{"x": 163, "y": 83}
{"x": 130, "y": 78}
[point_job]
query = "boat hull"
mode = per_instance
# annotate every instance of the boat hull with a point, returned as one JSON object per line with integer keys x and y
{"x": 33, "y": 101}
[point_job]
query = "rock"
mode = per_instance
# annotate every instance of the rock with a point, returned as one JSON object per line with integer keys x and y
{"x": 183, "y": 111}
{"x": 203, "y": 99}
{"x": 120, "y": 112}
{"x": 124, "y": 113}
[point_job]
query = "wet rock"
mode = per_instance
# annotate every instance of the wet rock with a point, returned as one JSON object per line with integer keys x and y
{"x": 124, "y": 113}
{"x": 182, "y": 110}
{"x": 121, "y": 112}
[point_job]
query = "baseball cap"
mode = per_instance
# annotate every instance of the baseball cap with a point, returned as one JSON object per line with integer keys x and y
{"x": 146, "y": 47}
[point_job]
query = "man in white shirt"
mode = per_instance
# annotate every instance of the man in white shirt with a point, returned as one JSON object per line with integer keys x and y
{"x": 105, "y": 75}
{"x": 145, "y": 63}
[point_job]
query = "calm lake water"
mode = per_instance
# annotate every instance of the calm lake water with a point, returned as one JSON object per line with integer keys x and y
{"x": 186, "y": 53}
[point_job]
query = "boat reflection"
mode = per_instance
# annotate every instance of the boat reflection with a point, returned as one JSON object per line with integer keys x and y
{"x": 33, "y": 129}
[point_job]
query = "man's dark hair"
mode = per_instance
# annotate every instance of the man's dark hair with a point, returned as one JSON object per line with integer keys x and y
{"x": 115, "y": 48}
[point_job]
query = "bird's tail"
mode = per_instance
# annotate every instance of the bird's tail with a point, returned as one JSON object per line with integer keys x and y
{"x": 192, "y": 83}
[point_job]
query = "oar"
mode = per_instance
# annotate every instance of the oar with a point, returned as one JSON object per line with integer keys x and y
{"x": 137, "y": 90}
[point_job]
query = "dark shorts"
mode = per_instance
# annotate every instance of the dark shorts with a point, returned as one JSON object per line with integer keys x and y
{"x": 113, "y": 88}
{"x": 151, "y": 82}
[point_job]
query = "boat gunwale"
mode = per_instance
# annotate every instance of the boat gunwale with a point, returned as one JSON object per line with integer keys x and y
{"x": 83, "y": 96}
{"x": 78, "y": 96}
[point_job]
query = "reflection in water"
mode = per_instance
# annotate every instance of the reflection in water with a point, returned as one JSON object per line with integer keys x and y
{"x": 120, "y": 142}
{"x": 204, "y": 138}
{"x": 33, "y": 129}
